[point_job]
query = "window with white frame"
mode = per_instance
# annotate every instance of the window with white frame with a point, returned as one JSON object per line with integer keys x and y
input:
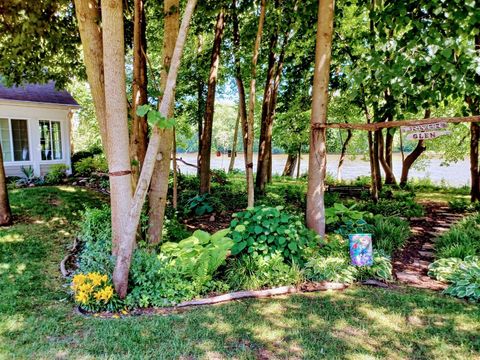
{"x": 14, "y": 139}
{"x": 50, "y": 140}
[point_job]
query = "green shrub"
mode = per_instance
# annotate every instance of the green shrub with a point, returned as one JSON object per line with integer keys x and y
{"x": 200, "y": 205}
{"x": 256, "y": 272}
{"x": 90, "y": 165}
{"x": 462, "y": 240}
{"x": 338, "y": 268}
{"x": 330, "y": 268}
{"x": 96, "y": 240}
{"x": 199, "y": 256}
{"x": 389, "y": 233}
{"x": 56, "y": 173}
{"x": 265, "y": 230}
{"x": 463, "y": 276}
{"x": 405, "y": 207}
{"x": 458, "y": 205}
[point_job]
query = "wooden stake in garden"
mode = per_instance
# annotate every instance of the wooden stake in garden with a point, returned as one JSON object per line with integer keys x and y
{"x": 318, "y": 153}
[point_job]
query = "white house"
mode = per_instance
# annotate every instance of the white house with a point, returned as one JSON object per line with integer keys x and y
{"x": 35, "y": 127}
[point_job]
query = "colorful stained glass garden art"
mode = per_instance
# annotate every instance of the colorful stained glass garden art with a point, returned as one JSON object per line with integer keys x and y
{"x": 361, "y": 252}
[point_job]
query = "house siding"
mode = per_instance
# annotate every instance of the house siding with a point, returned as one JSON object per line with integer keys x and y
{"x": 33, "y": 113}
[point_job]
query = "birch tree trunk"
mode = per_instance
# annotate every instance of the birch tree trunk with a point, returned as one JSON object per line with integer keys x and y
{"x": 116, "y": 118}
{"x": 157, "y": 197}
{"x": 5, "y": 211}
{"x": 318, "y": 153}
{"x": 251, "y": 110}
{"x": 122, "y": 266}
{"x": 139, "y": 132}
{"x": 206, "y": 139}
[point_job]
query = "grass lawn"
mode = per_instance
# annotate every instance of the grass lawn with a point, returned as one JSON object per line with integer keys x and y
{"x": 37, "y": 318}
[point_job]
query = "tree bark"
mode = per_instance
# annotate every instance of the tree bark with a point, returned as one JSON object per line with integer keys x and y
{"x": 116, "y": 118}
{"x": 122, "y": 266}
{"x": 262, "y": 160}
{"x": 157, "y": 197}
{"x": 206, "y": 140}
{"x": 234, "y": 144}
{"x": 5, "y": 211}
{"x": 89, "y": 25}
{"x": 389, "y": 175}
{"x": 200, "y": 101}
{"x": 242, "y": 104}
{"x": 251, "y": 109}
{"x": 299, "y": 160}
{"x": 139, "y": 131}
{"x": 318, "y": 153}
{"x": 410, "y": 159}
{"x": 376, "y": 158}
{"x": 413, "y": 156}
{"x": 343, "y": 154}
{"x": 289, "y": 168}
{"x": 475, "y": 176}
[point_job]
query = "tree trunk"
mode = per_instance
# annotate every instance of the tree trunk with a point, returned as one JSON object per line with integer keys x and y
{"x": 413, "y": 156}
{"x": 289, "y": 168}
{"x": 373, "y": 168}
{"x": 251, "y": 109}
{"x": 139, "y": 132}
{"x": 122, "y": 266}
{"x": 389, "y": 175}
{"x": 157, "y": 197}
{"x": 474, "y": 171}
{"x": 376, "y": 158}
{"x": 116, "y": 118}
{"x": 410, "y": 159}
{"x": 262, "y": 160}
{"x": 5, "y": 211}
{"x": 242, "y": 104}
{"x": 317, "y": 164}
{"x": 200, "y": 101}
{"x": 343, "y": 154}
{"x": 89, "y": 25}
{"x": 234, "y": 144}
{"x": 299, "y": 160}
{"x": 206, "y": 143}
{"x": 175, "y": 169}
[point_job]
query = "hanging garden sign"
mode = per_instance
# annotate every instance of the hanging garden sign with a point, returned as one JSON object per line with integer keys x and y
{"x": 425, "y": 131}
{"x": 426, "y": 135}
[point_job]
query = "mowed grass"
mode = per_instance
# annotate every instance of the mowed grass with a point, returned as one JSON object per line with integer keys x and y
{"x": 37, "y": 318}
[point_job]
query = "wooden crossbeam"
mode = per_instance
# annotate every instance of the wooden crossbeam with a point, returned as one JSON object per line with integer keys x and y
{"x": 399, "y": 123}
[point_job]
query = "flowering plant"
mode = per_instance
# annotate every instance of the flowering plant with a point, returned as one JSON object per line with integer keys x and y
{"x": 92, "y": 291}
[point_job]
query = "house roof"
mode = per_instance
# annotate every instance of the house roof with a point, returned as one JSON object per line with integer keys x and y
{"x": 41, "y": 93}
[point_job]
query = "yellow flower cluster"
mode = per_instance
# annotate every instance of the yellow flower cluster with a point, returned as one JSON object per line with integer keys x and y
{"x": 91, "y": 287}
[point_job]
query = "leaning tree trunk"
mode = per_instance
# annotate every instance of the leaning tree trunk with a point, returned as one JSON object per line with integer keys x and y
{"x": 343, "y": 154}
{"x": 139, "y": 131}
{"x": 5, "y": 211}
{"x": 157, "y": 197}
{"x": 206, "y": 141}
{"x": 116, "y": 118}
{"x": 200, "y": 100}
{"x": 234, "y": 144}
{"x": 125, "y": 251}
{"x": 289, "y": 169}
{"x": 376, "y": 158}
{"x": 251, "y": 109}
{"x": 317, "y": 164}
{"x": 410, "y": 159}
{"x": 413, "y": 156}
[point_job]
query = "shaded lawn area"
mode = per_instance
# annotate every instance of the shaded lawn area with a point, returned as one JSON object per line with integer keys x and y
{"x": 37, "y": 318}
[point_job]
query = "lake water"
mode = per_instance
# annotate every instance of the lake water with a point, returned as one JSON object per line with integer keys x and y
{"x": 457, "y": 174}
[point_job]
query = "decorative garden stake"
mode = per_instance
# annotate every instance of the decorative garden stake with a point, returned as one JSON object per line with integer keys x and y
{"x": 361, "y": 251}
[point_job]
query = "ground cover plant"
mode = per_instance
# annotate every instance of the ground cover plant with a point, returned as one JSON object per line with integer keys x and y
{"x": 358, "y": 322}
{"x": 458, "y": 259}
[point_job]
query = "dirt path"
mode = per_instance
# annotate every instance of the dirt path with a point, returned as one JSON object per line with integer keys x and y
{"x": 410, "y": 264}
